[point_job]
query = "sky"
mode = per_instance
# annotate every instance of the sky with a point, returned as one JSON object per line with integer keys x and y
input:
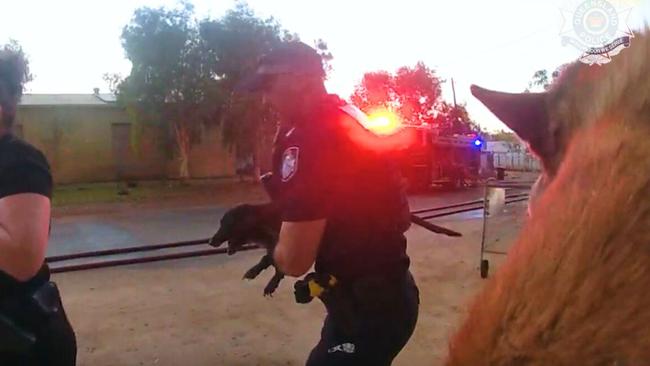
{"x": 497, "y": 44}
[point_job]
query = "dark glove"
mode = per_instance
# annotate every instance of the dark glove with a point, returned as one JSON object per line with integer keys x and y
{"x": 247, "y": 224}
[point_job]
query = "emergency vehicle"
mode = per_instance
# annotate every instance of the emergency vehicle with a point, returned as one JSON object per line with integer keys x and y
{"x": 453, "y": 161}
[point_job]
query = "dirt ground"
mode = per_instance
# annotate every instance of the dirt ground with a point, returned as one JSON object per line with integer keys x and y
{"x": 199, "y": 312}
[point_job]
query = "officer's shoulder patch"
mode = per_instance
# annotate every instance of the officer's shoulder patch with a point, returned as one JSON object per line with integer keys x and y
{"x": 290, "y": 163}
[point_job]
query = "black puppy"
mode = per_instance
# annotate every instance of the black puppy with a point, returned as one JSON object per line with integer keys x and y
{"x": 252, "y": 224}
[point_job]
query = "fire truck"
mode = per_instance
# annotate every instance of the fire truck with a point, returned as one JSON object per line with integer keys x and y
{"x": 452, "y": 161}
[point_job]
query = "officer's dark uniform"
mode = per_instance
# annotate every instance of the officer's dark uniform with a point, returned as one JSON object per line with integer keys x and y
{"x": 34, "y": 329}
{"x": 319, "y": 171}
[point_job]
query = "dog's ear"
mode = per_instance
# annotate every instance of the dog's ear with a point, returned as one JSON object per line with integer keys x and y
{"x": 525, "y": 113}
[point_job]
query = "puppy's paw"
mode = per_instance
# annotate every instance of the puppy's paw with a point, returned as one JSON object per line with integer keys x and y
{"x": 251, "y": 274}
{"x": 269, "y": 290}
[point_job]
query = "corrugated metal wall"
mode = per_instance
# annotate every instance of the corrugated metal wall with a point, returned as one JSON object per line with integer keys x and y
{"x": 516, "y": 161}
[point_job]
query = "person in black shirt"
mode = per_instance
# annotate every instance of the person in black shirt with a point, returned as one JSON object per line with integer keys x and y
{"x": 34, "y": 329}
{"x": 343, "y": 209}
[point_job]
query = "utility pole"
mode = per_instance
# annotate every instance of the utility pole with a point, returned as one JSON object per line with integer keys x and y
{"x": 453, "y": 90}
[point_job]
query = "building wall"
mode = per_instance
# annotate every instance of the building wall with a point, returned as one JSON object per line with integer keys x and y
{"x": 208, "y": 157}
{"x": 87, "y": 144}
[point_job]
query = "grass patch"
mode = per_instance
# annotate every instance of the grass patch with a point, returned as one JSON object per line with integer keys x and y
{"x": 98, "y": 193}
{"x": 109, "y": 193}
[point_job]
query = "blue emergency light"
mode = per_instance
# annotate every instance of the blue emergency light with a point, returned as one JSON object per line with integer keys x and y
{"x": 478, "y": 142}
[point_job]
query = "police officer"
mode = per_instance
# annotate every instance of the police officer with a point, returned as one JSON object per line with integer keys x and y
{"x": 342, "y": 207}
{"x": 34, "y": 329}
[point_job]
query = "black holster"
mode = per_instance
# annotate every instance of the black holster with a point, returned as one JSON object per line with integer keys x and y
{"x": 22, "y": 315}
{"x": 14, "y": 338}
{"x": 342, "y": 310}
{"x": 338, "y": 300}
{"x": 370, "y": 297}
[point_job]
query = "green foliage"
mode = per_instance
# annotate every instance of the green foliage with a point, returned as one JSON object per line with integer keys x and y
{"x": 184, "y": 72}
{"x": 113, "y": 81}
{"x": 15, "y": 57}
{"x": 541, "y": 79}
{"x": 170, "y": 80}
{"x": 454, "y": 120}
{"x": 503, "y": 135}
{"x": 235, "y": 42}
{"x": 415, "y": 93}
{"x": 169, "y": 60}
{"x": 326, "y": 55}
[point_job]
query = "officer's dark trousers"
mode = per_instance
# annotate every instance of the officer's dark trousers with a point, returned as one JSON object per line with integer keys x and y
{"x": 55, "y": 339}
{"x": 385, "y": 313}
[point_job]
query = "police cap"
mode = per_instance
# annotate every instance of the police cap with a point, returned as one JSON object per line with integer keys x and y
{"x": 287, "y": 58}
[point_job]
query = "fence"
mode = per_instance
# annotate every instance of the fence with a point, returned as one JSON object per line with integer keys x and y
{"x": 520, "y": 161}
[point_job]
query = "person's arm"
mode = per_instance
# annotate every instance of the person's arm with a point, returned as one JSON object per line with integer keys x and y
{"x": 25, "y": 191}
{"x": 298, "y": 246}
{"x": 307, "y": 194}
{"x": 24, "y": 230}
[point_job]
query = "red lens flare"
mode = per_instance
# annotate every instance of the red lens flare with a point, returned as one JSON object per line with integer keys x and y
{"x": 380, "y": 131}
{"x": 383, "y": 122}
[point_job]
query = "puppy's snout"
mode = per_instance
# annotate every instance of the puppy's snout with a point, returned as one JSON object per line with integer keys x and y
{"x": 218, "y": 239}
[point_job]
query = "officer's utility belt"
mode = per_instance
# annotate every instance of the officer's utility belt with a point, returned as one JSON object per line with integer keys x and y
{"x": 22, "y": 314}
{"x": 314, "y": 285}
{"x": 346, "y": 300}
{"x": 327, "y": 287}
{"x": 334, "y": 295}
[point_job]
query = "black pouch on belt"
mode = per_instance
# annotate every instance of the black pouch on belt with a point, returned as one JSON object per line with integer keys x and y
{"x": 22, "y": 314}
{"x": 341, "y": 309}
{"x": 45, "y": 302}
{"x": 14, "y": 338}
{"x": 377, "y": 295}
{"x": 335, "y": 296}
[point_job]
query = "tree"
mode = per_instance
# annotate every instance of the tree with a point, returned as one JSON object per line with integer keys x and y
{"x": 540, "y": 78}
{"x": 413, "y": 92}
{"x": 376, "y": 90}
{"x": 15, "y": 54}
{"x": 419, "y": 91}
{"x": 454, "y": 120}
{"x": 326, "y": 55}
{"x": 169, "y": 81}
{"x": 184, "y": 72}
{"x": 503, "y": 135}
{"x": 113, "y": 81}
{"x": 235, "y": 43}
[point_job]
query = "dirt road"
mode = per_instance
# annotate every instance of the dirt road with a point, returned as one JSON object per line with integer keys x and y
{"x": 199, "y": 312}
